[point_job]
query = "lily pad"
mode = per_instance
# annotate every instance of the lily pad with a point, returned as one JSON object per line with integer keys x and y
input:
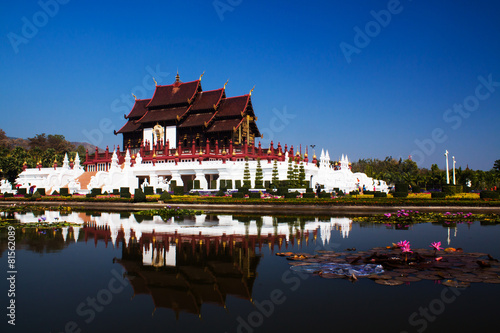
{"x": 455, "y": 284}
{"x": 389, "y": 282}
{"x": 407, "y": 278}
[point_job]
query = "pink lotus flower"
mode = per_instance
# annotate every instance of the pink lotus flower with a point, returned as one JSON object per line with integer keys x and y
{"x": 436, "y": 246}
{"x": 402, "y": 244}
{"x": 406, "y": 248}
{"x": 387, "y": 215}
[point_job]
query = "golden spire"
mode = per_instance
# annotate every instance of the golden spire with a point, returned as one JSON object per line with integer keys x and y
{"x": 135, "y": 97}
{"x": 156, "y": 83}
{"x": 225, "y": 84}
{"x": 201, "y": 75}
{"x": 250, "y": 93}
{"x": 177, "y": 77}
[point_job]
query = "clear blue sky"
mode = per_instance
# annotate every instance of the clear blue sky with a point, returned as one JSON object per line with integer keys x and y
{"x": 317, "y": 79}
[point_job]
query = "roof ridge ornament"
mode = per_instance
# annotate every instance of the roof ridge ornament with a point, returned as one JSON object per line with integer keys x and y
{"x": 201, "y": 75}
{"x": 177, "y": 77}
{"x": 135, "y": 97}
{"x": 250, "y": 93}
{"x": 156, "y": 83}
{"x": 225, "y": 84}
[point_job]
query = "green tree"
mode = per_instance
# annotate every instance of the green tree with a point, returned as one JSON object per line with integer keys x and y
{"x": 258, "y": 175}
{"x": 275, "y": 174}
{"x": 295, "y": 180}
{"x": 4, "y": 140}
{"x": 496, "y": 165}
{"x": 246, "y": 175}
{"x": 289, "y": 173}
{"x": 302, "y": 175}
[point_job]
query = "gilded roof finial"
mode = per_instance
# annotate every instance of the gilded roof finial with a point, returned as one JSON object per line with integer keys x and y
{"x": 135, "y": 97}
{"x": 202, "y": 75}
{"x": 177, "y": 77}
{"x": 156, "y": 83}
{"x": 251, "y": 91}
{"x": 225, "y": 84}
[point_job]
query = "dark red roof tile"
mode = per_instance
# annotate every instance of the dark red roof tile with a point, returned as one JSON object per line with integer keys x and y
{"x": 163, "y": 114}
{"x": 130, "y": 126}
{"x": 233, "y": 106}
{"x": 171, "y": 95}
{"x": 139, "y": 108}
{"x": 207, "y": 100}
{"x": 224, "y": 125}
{"x": 197, "y": 119}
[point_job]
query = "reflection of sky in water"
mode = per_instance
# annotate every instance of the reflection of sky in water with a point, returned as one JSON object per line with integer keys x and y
{"x": 51, "y": 284}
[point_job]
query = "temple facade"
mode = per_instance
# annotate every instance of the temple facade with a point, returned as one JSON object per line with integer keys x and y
{"x": 201, "y": 140}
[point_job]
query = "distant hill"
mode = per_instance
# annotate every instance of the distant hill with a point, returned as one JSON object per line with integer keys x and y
{"x": 88, "y": 146}
{"x": 24, "y": 143}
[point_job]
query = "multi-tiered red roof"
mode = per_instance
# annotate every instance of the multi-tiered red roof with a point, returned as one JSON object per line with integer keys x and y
{"x": 197, "y": 114}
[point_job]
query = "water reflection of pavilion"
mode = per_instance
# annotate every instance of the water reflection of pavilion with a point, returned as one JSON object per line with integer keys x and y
{"x": 184, "y": 263}
{"x": 198, "y": 277}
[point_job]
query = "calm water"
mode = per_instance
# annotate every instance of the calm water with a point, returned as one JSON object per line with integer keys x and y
{"x": 124, "y": 273}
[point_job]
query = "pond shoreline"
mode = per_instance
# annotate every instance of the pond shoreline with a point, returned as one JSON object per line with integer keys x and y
{"x": 255, "y": 209}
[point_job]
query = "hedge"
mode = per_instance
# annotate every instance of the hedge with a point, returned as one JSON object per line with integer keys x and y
{"x": 178, "y": 190}
{"x": 165, "y": 196}
{"x": 139, "y": 196}
{"x": 324, "y": 195}
{"x": 436, "y": 195}
{"x": 281, "y": 190}
{"x": 149, "y": 190}
{"x": 125, "y": 192}
{"x": 489, "y": 195}
{"x": 8, "y": 195}
{"x": 401, "y": 187}
{"x": 95, "y": 191}
{"x": 254, "y": 195}
{"x": 21, "y": 191}
{"x": 238, "y": 195}
{"x": 224, "y": 183}
{"x": 64, "y": 192}
{"x": 291, "y": 195}
{"x": 116, "y": 192}
{"x": 380, "y": 195}
{"x": 400, "y": 194}
{"x": 41, "y": 190}
{"x": 452, "y": 189}
{"x": 309, "y": 195}
{"x": 416, "y": 189}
